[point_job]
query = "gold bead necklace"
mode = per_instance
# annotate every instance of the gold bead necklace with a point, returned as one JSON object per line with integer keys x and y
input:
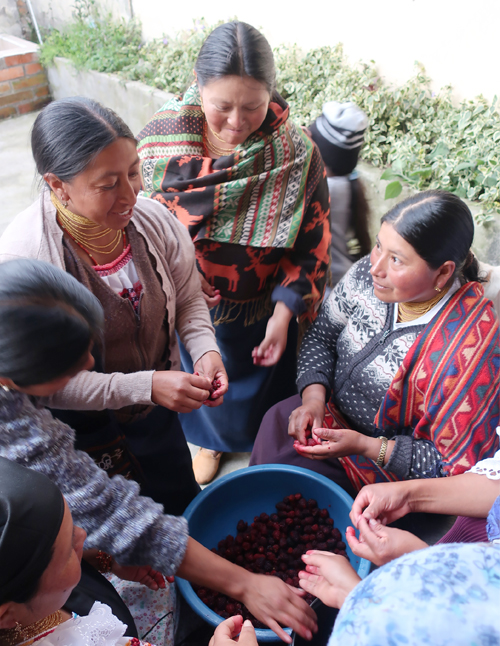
{"x": 410, "y": 311}
{"x": 215, "y": 134}
{"x": 220, "y": 152}
{"x": 83, "y": 231}
{"x": 26, "y": 634}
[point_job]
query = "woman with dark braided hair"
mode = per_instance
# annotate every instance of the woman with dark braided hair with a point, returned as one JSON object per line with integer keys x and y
{"x": 250, "y": 187}
{"x": 404, "y": 355}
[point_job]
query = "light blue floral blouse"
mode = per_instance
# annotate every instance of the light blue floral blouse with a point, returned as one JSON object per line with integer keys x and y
{"x": 446, "y": 595}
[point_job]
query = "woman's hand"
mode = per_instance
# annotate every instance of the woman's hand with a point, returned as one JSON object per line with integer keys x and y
{"x": 180, "y": 391}
{"x": 332, "y": 443}
{"x": 210, "y": 365}
{"x": 227, "y": 630}
{"x": 380, "y": 544}
{"x": 141, "y": 574}
{"x": 269, "y": 352}
{"x": 210, "y": 294}
{"x": 330, "y": 577}
{"x": 273, "y": 603}
{"x": 308, "y": 416}
{"x": 385, "y": 501}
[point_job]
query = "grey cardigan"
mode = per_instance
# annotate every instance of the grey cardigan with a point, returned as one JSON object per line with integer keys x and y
{"x": 34, "y": 233}
{"x": 117, "y": 519}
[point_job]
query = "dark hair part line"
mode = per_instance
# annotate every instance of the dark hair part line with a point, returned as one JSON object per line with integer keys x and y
{"x": 68, "y": 134}
{"x": 236, "y": 49}
{"x": 440, "y": 227}
{"x": 47, "y": 322}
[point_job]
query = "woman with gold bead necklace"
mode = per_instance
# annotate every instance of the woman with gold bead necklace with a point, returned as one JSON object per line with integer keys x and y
{"x": 250, "y": 187}
{"x": 140, "y": 264}
{"x": 404, "y": 355}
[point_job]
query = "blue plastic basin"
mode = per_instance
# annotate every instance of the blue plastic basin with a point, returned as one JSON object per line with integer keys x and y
{"x": 246, "y": 493}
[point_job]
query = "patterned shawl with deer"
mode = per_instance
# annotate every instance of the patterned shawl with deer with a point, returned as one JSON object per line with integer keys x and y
{"x": 259, "y": 217}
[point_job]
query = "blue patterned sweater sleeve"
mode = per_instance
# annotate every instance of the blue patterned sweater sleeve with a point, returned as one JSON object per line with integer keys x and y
{"x": 115, "y": 516}
{"x": 493, "y": 522}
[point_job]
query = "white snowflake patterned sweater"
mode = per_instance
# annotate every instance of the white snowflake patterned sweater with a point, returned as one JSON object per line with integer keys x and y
{"x": 353, "y": 350}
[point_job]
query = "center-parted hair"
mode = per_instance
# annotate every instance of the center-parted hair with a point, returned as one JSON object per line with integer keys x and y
{"x": 47, "y": 322}
{"x": 440, "y": 227}
{"x": 68, "y": 134}
{"x": 236, "y": 49}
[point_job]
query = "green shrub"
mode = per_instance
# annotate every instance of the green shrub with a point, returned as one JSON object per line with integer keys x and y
{"x": 421, "y": 138}
{"x": 94, "y": 42}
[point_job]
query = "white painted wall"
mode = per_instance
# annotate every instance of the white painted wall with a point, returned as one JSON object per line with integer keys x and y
{"x": 9, "y": 19}
{"x": 456, "y": 40}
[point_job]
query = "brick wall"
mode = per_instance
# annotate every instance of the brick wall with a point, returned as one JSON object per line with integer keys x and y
{"x": 23, "y": 85}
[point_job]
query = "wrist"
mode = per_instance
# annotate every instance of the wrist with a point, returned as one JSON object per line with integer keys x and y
{"x": 282, "y": 313}
{"x": 417, "y": 498}
{"x": 313, "y": 393}
{"x": 239, "y": 583}
{"x": 368, "y": 447}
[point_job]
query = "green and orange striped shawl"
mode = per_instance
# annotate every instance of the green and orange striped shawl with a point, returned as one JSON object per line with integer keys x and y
{"x": 255, "y": 197}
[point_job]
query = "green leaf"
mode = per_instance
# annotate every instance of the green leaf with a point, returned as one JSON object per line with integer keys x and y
{"x": 422, "y": 173}
{"x": 441, "y": 150}
{"x": 393, "y": 189}
{"x": 389, "y": 174}
{"x": 465, "y": 166}
{"x": 491, "y": 181}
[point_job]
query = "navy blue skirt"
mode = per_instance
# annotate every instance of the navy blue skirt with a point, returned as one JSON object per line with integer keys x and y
{"x": 232, "y": 427}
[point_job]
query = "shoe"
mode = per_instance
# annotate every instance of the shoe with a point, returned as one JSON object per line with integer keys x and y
{"x": 206, "y": 465}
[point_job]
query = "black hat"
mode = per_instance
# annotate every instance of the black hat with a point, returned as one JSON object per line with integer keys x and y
{"x": 339, "y": 135}
{"x": 31, "y": 513}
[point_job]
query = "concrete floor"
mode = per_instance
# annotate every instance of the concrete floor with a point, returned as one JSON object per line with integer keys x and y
{"x": 19, "y": 188}
{"x": 18, "y": 181}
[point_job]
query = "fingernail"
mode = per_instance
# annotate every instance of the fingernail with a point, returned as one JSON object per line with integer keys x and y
{"x": 248, "y": 623}
{"x": 372, "y": 522}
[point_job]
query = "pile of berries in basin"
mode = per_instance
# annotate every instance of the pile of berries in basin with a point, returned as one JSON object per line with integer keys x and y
{"x": 246, "y": 494}
{"x": 273, "y": 545}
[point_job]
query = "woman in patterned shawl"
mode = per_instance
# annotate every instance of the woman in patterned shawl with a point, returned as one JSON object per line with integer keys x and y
{"x": 250, "y": 187}
{"x": 404, "y": 354}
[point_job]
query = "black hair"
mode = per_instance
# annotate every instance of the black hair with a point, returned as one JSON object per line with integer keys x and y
{"x": 236, "y": 49}
{"x": 68, "y": 134}
{"x": 440, "y": 227}
{"x": 47, "y": 322}
{"x": 360, "y": 213}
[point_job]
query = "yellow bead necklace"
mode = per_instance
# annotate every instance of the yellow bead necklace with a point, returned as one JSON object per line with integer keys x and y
{"x": 83, "y": 231}
{"x": 410, "y": 311}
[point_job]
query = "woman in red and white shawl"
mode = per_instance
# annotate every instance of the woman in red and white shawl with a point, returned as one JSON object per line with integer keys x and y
{"x": 405, "y": 354}
{"x": 251, "y": 189}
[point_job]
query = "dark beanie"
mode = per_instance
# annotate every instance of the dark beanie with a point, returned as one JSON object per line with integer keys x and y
{"x": 339, "y": 134}
{"x": 31, "y": 513}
